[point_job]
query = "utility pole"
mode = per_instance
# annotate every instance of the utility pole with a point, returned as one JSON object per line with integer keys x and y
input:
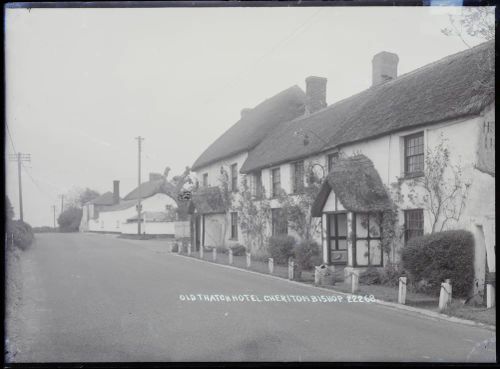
{"x": 62, "y": 202}
{"x": 20, "y": 157}
{"x": 54, "y": 209}
{"x": 139, "y": 205}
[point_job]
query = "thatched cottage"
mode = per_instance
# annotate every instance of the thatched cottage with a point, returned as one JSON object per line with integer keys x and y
{"x": 372, "y": 149}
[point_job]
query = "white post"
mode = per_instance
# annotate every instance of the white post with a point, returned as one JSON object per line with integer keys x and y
{"x": 214, "y": 254}
{"x": 402, "y": 290}
{"x": 317, "y": 275}
{"x": 249, "y": 259}
{"x": 270, "y": 264}
{"x": 189, "y": 248}
{"x": 445, "y": 295}
{"x": 230, "y": 256}
{"x": 354, "y": 281}
{"x": 291, "y": 269}
{"x": 179, "y": 247}
{"x": 490, "y": 296}
{"x": 201, "y": 252}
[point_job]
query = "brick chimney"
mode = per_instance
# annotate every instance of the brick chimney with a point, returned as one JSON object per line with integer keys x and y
{"x": 315, "y": 94}
{"x": 384, "y": 67}
{"x": 116, "y": 192}
{"x": 155, "y": 176}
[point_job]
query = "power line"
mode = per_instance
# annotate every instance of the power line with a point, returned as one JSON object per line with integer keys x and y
{"x": 275, "y": 47}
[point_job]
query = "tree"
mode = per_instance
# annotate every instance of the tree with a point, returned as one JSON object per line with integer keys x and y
{"x": 78, "y": 196}
{"x": 9, "y": 210}
{"x": 254, "y": 213}
{"x": 87, "y": 195}
{"x": 297, "y": 207}
{"x": 69, "y": 219}
{"x": 476, "y": 23}
{"x": 174, "y": 188}
{"x": 442, "y": 190}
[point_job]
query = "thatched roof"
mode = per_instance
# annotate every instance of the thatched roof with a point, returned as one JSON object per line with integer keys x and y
{"x": 207, "y": 200}
{"x": 440, "y": 91}
{"x": 105, "y": 199}
{"x": 122, "y": 205}
{"x": 151, "y": 188}
{"x": 254, "y": 126}
{"x": 357, "y": 185}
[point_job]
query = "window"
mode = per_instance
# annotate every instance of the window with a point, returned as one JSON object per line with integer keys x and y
{"x": 234, "y": 226}
{"x": 337, "y": 236}
{"x": 414, "y": 223}
{"x": 256, "y": 184}
{"x": 234, "y": 177}
{"x": 276, "y": 182}
{"x": 298, "y": 177}
{"x": 367, "y": 239}
{"x": 331, "y": 159}
{"x": 279, "y": 222}
{"x": 414, "y": 154}
{"x": 205, "y": 179}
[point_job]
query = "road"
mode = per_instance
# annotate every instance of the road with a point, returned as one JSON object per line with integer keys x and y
{"x": 89, "y": 298}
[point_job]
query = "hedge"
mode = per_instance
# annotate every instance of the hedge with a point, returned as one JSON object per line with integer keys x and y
{"x": 23, "y": 234}
{"x": 281, "y": 248}
{"x": 307, "y": 254}
{"x": 238, "y": 249}
{"x": 439, "y": 256}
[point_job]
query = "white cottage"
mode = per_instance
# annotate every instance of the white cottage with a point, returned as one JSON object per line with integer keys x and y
{"x": 157, "y": 216}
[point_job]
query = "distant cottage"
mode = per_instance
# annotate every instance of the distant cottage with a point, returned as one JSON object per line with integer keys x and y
{"x": 368, "y": 148}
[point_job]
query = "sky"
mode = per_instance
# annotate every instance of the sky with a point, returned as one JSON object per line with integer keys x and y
{"x": 81, "y": 84}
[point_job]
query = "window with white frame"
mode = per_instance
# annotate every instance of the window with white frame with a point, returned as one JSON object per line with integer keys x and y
{"x": 414, "y": 154}
{"x": 275, "y": 182}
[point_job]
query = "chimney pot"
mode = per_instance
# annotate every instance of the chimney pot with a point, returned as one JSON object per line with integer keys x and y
{"x": 315, "y": 94}
{"x": 116, "y": 192}
{"x": 384, "y": 67}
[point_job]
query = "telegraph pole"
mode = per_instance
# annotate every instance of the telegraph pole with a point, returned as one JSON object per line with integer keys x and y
{"x": 20, "y": 157}
{"x": 139, "y": 206}
{"x": 62, "y": 202}
{"x": 54, "y": 209}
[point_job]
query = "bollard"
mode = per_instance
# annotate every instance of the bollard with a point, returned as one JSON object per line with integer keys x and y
{"x": 179, "y": 248}
{"x": 201, "y": 252}
{"x": 317, "y": 275}
{"x": 354, "y": 281}
{"x": 12, "y": 240}
{"x": 189, "y": 248}
{"x": 402, "y": 290}
{"x": 291, "y": 269}
{"x": 230, "y": 256}
{"x": 270, "y": 264}
{"x": 445, "y": 295}
{"x": 249, "y": 259}
{"x": 214, "y": 254}
{"x": 490, "y": 296}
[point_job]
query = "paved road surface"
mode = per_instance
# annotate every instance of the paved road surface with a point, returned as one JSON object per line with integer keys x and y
{"x": 98, "y": 298}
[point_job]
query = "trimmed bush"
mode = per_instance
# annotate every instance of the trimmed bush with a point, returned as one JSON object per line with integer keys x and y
{"x": 238, "y": 249}
{"x": 69, "y": 219}
{"x": 175, "y": 247}
{"x": 307, "y": 254}
{"x": 281, "y": 248}
{"x": 370, "y": 276}
{"x": 431, "y": 259}
{"x": 390, "y": 276}
{"x": 23, "y": 234}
